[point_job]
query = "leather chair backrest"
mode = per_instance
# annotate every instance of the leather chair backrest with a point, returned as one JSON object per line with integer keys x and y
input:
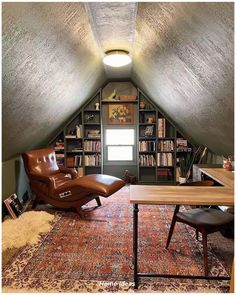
{"x": 41, "y": 161}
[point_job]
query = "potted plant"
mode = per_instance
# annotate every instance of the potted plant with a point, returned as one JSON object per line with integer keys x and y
{"x": 185, "y": 165}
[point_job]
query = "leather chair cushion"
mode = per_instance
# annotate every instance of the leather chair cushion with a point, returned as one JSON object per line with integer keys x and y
{"x": 100, "y": 184}
{"x": 206, "y": 216}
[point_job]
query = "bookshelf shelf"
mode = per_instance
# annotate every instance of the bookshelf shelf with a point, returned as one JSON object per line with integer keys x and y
{"x": 92, "y": 124}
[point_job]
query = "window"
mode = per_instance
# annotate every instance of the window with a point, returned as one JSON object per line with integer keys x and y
{"x": 120, "y": 144}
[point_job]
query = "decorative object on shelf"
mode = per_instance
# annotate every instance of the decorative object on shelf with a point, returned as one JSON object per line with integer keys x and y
{"x": 120, "y": 114}
{"x": 112, "y": 96}
{"x": 228, "y": 163}
{"x": 79, "y": 131}
{"x": 89, "y": 118}
{"x": 150, "y": 120}
{"x": 142, "y": 105}
{"x": 128, "y": 177}
{"x": 97, "y": 105}
{"x": 117, "y": 58}
{"x": 148, "y": 131}
{"x": 186, "y": 163}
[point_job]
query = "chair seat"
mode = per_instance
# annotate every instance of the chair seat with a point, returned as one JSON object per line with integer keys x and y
{"x": 205, "y": 216}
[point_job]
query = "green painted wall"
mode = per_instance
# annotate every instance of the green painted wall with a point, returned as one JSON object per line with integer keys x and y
{"x": 8, "y": 178}
{"x": 14, "y": 179}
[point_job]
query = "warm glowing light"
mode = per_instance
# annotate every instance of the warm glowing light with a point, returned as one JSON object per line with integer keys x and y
{"x": 117, "y": 58}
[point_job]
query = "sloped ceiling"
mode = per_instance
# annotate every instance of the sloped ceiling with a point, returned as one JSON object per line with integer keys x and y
{"x": 52, "y": 62}
{"x": 51, "y": 65}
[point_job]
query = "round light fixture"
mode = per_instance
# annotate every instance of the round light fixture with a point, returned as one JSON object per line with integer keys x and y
{"x": 117, "y": 58}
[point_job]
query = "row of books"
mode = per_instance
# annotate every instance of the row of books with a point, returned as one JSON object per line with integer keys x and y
{"x": 74, "y": 161}
{"x": 166, "y": 145}
{"x": 165, "y": 174}
{"x": 92, "y": 146}
{"x": 147, "y": 146}
{"x": 147, "y": 160}
{"x": 92, "y": 160}
{"x": 164, "y": 159}
{"x": 161, "y": 130}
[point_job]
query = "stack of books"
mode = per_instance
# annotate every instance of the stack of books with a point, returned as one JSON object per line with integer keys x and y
{"x": 94, "y": 134}
{"x": 70, "y": 136}
{"x": 182, "y": 145}
{"x": 60, "y": 159}
{"x": 59, "y": 146}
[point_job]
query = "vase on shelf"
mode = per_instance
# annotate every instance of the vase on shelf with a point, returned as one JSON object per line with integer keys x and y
{"x": 142, "y": 105}
{"x": 182, "y": 179}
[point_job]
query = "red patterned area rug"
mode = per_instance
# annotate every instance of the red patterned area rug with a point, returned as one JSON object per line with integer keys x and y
{"x": 95, "y": 254}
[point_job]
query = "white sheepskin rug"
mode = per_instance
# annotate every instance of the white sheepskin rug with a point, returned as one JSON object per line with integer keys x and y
{"x": 26, "y": 229}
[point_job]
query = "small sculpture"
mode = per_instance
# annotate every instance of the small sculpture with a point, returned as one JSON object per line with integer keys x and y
{"x": 78, "y": 131}
{"x": 97, "y": 106}
{"x": 112, "y": 96}
{"x": 89, "y": 118}
{"x": 129, "y": 177}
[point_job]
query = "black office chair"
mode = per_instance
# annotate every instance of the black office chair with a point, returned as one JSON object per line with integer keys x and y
{"x": 204, "y": 220}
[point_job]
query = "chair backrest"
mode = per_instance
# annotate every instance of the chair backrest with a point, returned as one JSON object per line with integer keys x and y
{"x": 199, "y": 183}
{"x": 41, "y": 161}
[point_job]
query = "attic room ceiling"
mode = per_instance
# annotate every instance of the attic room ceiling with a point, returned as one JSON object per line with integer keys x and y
{"x": 52, "y": 62}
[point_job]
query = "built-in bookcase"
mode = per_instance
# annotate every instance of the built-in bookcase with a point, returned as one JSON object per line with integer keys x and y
{"x": 157, "y": 137}
{"x": 159, "y": 144}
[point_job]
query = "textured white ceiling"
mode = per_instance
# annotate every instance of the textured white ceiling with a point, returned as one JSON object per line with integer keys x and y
{"x": 113, "y": 25}
{"x": 52, "y": 62}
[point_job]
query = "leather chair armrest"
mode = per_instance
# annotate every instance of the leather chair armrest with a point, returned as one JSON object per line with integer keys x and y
{"x": 49, "y": 180}
{"x": 71, "y": 171}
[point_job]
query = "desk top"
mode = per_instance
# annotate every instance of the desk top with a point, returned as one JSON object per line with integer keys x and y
{"x": 188, "y": 195}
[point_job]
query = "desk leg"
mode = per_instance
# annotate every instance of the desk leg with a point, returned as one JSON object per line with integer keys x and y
{"x": 135, "y": 244}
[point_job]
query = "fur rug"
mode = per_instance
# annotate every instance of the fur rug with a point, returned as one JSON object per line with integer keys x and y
{"x": 26, "y": 229}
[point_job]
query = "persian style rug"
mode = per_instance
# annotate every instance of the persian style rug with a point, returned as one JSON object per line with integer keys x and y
{"x": 95, "y": 254}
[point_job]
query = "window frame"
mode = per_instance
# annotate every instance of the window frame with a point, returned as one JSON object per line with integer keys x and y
{"x": 119, "y": 162}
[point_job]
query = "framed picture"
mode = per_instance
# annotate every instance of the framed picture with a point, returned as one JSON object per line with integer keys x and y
{"x": 13, "y": 206}
{"x": 149, "y": 131}
{"x": 120, "y": 114}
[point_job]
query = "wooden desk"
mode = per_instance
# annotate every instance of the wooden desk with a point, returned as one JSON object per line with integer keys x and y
{"x": 180, "y": 195}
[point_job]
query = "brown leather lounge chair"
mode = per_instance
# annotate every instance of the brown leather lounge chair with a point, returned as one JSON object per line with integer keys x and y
{"x": 60, "y": 186}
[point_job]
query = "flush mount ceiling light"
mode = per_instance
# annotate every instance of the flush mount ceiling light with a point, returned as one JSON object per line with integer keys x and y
{"x": 117, "y": 58}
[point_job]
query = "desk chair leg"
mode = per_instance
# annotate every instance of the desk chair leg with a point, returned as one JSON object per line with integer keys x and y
{"x": 204, "y": 243}
{"x": 172, "y": 226}
{"x": 98, "y": 202}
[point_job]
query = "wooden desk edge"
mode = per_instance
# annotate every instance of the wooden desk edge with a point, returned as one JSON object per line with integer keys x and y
{"x": 181, "y": 195}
